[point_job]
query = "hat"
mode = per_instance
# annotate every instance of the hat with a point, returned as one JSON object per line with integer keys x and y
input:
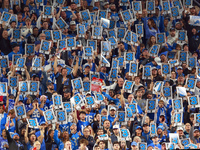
{"x": 196, "y": 129}
{"x": 113, "y": 108}
{"x": 86, "y": 65}
{"x": 154, "y": 135}
{"x": 145, "y": 124}
{"x": 35, "y": 100}
{"x": 160, "y": 127}
{"x": 153, "y": 68}
{"x": 115, "y": 127}
{"x": 67, "y": 91}
{"x": 103, "y": 87}
{"x": 179, "y": 67}
{"x": 179, "y": 128}
{"x": 177, "y": 23}
{"x": 15, "y": 134}
{"x": 138, "y": 127}
{"x": 14, "y": 45}
{"x": 157, "y": 60}
{"x": 192, "y": 114}
{"x": 72, "y": 23}
{"x": 106, "y": 3}
{"x": 164, "y": 53}
{"x": 42, "y": 122}
{"x": 172, "y": 29}
{"x": 133, "y": 143}
{"x": 95, "y": 8}
{"x": 27, "y": 19}
{"x": 49, "y": 83}
{"x": 111, "y": 102}
{"x": 144, "y": 49}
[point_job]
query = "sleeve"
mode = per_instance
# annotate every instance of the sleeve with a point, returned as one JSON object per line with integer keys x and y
{"x": 161, "y": 26}
{"x": 191, "y": 135}
{"x": 93, "y": 67}
{"x": 8, "y": 137}
{"x": 55, "y": 137}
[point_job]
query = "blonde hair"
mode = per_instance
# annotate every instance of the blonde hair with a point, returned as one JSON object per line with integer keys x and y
{"x": 137, "y": 137}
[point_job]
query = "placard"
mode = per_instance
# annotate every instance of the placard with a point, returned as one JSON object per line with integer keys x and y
{"x": 137, "y": 7}
{"x": 86, "y": 87}
{"x": 48, "y": 34}
{"x": 120, "y": 33}
{"x": 197, "y": 118}
{"x": 154, "y": 50}
{"x": 178, "y": 118}
{"x": 171, "y": 55}
{"x": 13, "y": 81}
{"x": 121, "y": 61}
{"x": 134, "y": 39}
{"x": 166, "y": 69}
{"x": 61, "y": 44}
{"x": 77, "y": 84}
{"x": 71, "y": 43}
{"x": 113, "y": 74}
{"x": 88, "y": 52}
{"x": 173, "y": 63}
{"x": 182, "y": 36}
{"x": 127, "y": 16}
{"x": 105, "y": 23}
{"x": 124, "y": 3}
{"x": 139, "y": 30}
{"x": 103, "y": 137}
{"x": 49, "y": 116}
{"x": 80, "y": 59}
{"x": 97, "y": 32}
{"x": 48, "y": 10}
{"x": 58, "y": 3}
{"x": 37, "y": 63}
{"x": 129, "y": 57}
{"x": 105, "y": 47}
{"x": 85, "y": 15}
{"x": 166, "y": 7}
{"x": 142, "y": 146}
{"x": 157, "y": 87}
{"x": 20, "y": 64}
{"x": 177, "y": 105}
{"x": 128, "y": 86}
{"x": 77, "y": 2}
{"x": 34, "y": 87}
{"x": 191, "y": 84}
{"x": 151, "y": 105}
{"x": 192, "y": 62}
{"x": 90, "y": 101}
{"x": 175, "y": 12}
{"x": 153, "y": 130}
{"x": 121, "y": 117}
{"x": 167, "y": 91}
{"x": 29, "y": 49}
{"x": 178, "y": 3}
{"x": 183, "y": 56}
{"x": 112, "y": 24}
{"x": 127, "y": 37}
{"x": 174, "y": 138}
{"x": 125, "y": 134}
{"x": 81, "y": 30}
{"x": 57, "y": 35}
{"x": 33, "y": 123}
{"x": 146, "y": 72}
{"x": 45, "y": 46}
{"x": 20, "y": 111}
{"x": 103, "y": 118}
{"x": 160, "y": 38}
{"x": 24, "y": 87}
{"x": 188, "y": 3}
{"x": 96, "y": 84}
{"x": 16, "y": 35}
{"x": 111, "y": 33}
{"x": 61, "y": 116}
{"x": 133, "y": 69}
{"x": 150, "y": 7}
{"x": 185, "y": 141}
{"x": 113, "y": 42}
{"x": 61, "y": 24}
{"x": 68, "y": 107}
{"x": 115, "y": 63}
{"x": 57, "y": 101}
{"x": 194, "y": 101}
{"x": 92, "y": 43}
{"x": 131, "y": 111}
{"x": 102, "y": 14}
{"x": 39, "y": 2}
{"x": 5, "y": 18}
{"x": 94, "y": 74}
{"x": 15, "y": 57}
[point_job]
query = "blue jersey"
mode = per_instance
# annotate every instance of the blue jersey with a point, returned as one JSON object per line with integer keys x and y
{"x": 2, "y": 121}
{"x": 81, "y": 125}
{"x": 2, "y": 143}
{"x": 153, "y": 145}
{"x": 36, "y": 114}
{"x": 43, "y": 146}
{"x": 74, "y": 140}
{"x": 90, "y": 117}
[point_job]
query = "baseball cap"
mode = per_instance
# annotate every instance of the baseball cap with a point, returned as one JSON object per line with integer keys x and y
{"x": 111, "y": 102}
{"x": 72, "y": 23}
{"x": 179, "y": 67}
{"x": 154, "y": 135}
{"x": 145, "y": 124}
{"x": 157, "y": 60}
{"x": 192, "y": 114}
{"x": 179, "y": 128}
{"x": 14, "y": 45}
{"x": 42, "y": 122}
{"x": 103, "y": 87}
{"x": 115, "y": 127}
{"x": 144, "y": 49}
{"x": 95, "y": 8}
{"x": 153, "y": 68}
{"x": 196, "y": 129}
{"x": 160, "y": 127}
{"x": 67, "y": 91}
{"x": 113, "y": 108}
{"x": 15, "y": 134}
{"x": 105, "y": 3}
{"x": 86, "y": 65}
{"x": 133, "y": 143}
{"x": 172, "y": 29}
{"x": 27, "y": 19}
{"x": 138, "y": 127}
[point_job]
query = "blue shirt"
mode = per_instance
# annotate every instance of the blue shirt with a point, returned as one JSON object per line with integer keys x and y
{"x": 11, "y": 54}
{"x": 81, "y": 125}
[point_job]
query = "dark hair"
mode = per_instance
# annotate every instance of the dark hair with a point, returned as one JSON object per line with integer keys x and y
{"x": 115, "y": 143}
{"x": 84, "y": 141}
{"x": 82, "y": 112}
{"x": 153, "y": 24}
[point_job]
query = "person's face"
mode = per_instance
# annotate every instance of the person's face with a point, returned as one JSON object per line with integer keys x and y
{"x": 82, "y": 116}
{"x": 97, "y": 148}
{"x": 64, "y": 72}
{"x": 67, "y": 95}
{"x": 123, "y": 143}
{"x": 87, "y": 69}
{"x": 198, "y": 84}
{"x": 115, "y": 131}
{"x": 165, "y": 22}
{"x": 68, "y": 145}
{"x": 173, "y": 75}
{"x": 32, "y": 138}
{"x": 104, "y": 113}
{"x": 146, "y": 128}
{"x": 159, "y": 131}
{"x": 167, "y": 84}
{"x": 73, "y": 6}
{"x": 180, "y": 132}
{"x": 42, "y": 37}
{"x": 5, "y": 34}
{"x": 149, "y": 96}
{"x": 16, "y": 138}
{"x": 154, "y": 72}
{"x": 65, "y": 135}
{"x": 143, "y": 90}
{"x": 187, "y": 126}
{"x": 155, "y": 139}
{"x": 153, "y": 39}
{"x": 111, "y": 93}
{"x": 86, "y": 132}
{"x": 137, "y": 80}
{"x": 45, "y": 25}
{"x": 106, "y": 124}
{"x": 194, "y": 31}
{"x": 120, "y": 82}
{"x": 161, "y": 104}
{"x": 163, "y": 58}
{"x": 63, "y": 15}
{"x": 130, "y": 98}
{"x": 73, "y": 27}
{"x": 116, "y": 146}
{"x": 139, "y": 93}
{"x": 179, "y": 71}
{"x": 181, "y": 80}
{"x": 100, "y": 132}
{"x": 112, "y": 112}
{"x": 173, "y": 33}
{"x": 186, "y": 49}
{"x": 196, "y": 134}
{"x": 4, "y": 132}
{"x": 102, "y": 145}
{"x": 13, "y": 25}
{"x": 139, "y": 131}
{"x": 1, "y": 109}
{"x": 35, "y": 31}
{"x": 51, "y": 134}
